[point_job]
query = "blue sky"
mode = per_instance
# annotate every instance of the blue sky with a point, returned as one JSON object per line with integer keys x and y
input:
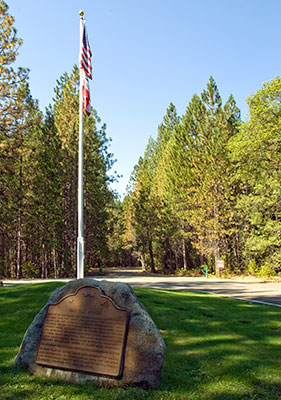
{"x": 147, "y": 54}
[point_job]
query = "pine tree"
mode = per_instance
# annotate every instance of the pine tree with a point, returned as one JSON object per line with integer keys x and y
{"x": 97, "y": 162}
{"x": 143, "y": 208}
{"x": 9, "y": 90}
{"x": 9, "y": 78}
{"x": 167, "y": 224}
{"x": 256, "y": 151}
{"x": 120, "y": 247}
{"x": 25, "y": 119}
{"x": 196, "y": 174}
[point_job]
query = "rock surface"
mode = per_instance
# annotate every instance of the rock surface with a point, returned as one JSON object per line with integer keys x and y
{"x": 145, "y": 348}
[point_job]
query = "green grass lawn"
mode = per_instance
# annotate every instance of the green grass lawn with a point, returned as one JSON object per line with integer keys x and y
{"x": 217, "y": 348}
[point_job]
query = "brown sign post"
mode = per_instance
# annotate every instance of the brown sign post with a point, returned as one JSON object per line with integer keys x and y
{"x": 219, "y": 266}
{"x": 84, "y": 332}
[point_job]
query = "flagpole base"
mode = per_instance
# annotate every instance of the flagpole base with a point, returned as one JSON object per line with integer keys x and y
{"x": 80, "y": 257}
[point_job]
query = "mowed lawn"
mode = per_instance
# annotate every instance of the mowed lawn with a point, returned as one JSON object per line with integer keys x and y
{"x": 217, "y": 348}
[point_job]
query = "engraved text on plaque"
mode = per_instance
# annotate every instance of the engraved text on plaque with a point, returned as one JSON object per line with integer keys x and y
{"x": 84, "y": 332}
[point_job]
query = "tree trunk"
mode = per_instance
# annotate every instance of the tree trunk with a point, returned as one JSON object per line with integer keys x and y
{"x": 164, "y": 256}
{"x": 55, "y": 264}
{"x": 216, "y": 252}
{"x": 19, "y": 230}
{"x": 143, "y": 265}
{"x": 184, "y": 255}
{"x": 44, "y": 270}
{"x": 19, "y": 252}
{"x": 152, "y": 265}
{"x": 216, "y": 244}
{"x": 3, "y": 258}
{"x": 46, "y": 264}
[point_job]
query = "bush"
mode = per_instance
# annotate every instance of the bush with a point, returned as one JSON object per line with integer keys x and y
{"x": 182, "y": 272}
{"x": 252, "y": 268}
{"x": 267, "y": 270}
{"x": 30, "y": 270}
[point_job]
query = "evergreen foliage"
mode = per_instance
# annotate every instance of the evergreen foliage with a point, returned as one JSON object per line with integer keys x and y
{"x": 39, "y": 157}
{"x": 257, "y": 153}
{"x": 211, "y": 185}
{"x": 207, "y": 188}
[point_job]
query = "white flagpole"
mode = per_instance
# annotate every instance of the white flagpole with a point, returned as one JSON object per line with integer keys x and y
{"x": 80, "y": 238}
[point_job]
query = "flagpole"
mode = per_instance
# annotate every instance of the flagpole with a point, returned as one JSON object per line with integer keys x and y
{"x": 80, "y": 238}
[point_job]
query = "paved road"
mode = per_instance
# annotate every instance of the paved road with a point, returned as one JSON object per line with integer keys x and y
{"x": 263, "y": 292}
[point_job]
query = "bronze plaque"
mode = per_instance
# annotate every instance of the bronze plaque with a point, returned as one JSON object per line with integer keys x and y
{"x": 84, "y": 332}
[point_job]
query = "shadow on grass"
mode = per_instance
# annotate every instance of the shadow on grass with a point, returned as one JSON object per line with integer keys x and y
{"x": 221, "y": 349}
{"x": 217, "y": 348}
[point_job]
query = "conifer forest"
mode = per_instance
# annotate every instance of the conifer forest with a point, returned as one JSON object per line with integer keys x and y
{"x": 206, "y": 188}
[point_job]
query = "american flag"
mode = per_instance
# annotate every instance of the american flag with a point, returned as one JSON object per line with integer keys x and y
{"x": 85, "y": 54}
{"x": 86, "y": 95}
